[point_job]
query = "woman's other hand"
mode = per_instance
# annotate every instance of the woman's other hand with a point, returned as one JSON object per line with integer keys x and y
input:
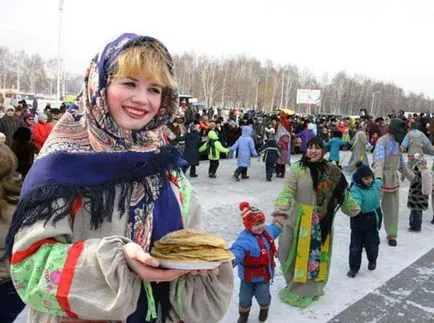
{"x": 146, "y": 266}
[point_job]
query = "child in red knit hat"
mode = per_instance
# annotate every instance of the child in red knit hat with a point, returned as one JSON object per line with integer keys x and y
{"x": 254, "y": 252}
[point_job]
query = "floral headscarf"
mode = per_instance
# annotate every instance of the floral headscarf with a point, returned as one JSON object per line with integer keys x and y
{"x": 89, "y": 126}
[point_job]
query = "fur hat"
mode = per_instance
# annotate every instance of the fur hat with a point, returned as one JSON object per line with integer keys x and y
{"x": 251, "y": 215}
{"x": 10, "y": 107}
{"x": 362, "y": 171}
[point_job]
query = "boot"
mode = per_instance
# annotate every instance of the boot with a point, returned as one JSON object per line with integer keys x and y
{"x": 432, "y": 221}
{"x": 351, "y": 273}
{"x": 392, "y": 242}
{"x": 244, "y": 315}
{"x": 236, "y": 177}
{"x": 372, "y": 266}
{"x": 263, "y": 314}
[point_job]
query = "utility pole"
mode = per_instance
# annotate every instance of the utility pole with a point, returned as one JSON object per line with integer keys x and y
{"x": 281, "y": 92}
{"x": 256, "y": 96}
{"x": 59, "y": 53}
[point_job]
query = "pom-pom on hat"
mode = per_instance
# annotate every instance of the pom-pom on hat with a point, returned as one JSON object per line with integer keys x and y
{"x": 251, "y": 215}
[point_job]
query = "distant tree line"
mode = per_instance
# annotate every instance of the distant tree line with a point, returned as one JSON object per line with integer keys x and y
{"x": 243, "y": 81}
{"x": 32, "y": 74}
{"x": 239, "y": 81}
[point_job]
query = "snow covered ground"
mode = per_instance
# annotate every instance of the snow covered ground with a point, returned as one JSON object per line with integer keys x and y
{"x": 220, "y": 198}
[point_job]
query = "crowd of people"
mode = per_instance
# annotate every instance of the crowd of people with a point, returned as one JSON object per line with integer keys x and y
{"x": 108, "y": 181}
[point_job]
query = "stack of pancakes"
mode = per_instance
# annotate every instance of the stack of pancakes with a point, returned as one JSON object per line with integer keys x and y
{"x": 191, "y": 245}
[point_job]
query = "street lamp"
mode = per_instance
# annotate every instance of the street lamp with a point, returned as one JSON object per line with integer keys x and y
{"x": 59, "y": 59}
{"x": 373, "y": 99}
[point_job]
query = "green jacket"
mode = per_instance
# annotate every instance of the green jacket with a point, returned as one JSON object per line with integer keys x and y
{"x": 213, "y": 154}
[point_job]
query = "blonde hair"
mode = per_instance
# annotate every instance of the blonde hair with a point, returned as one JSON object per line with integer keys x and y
{"x": 149, "y": 58}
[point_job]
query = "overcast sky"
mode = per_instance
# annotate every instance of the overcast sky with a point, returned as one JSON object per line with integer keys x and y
{"x": 390, "y": 41}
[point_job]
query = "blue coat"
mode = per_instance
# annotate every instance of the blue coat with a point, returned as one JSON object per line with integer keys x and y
{"x": 245, "y": 146}
{"x": 246, "y": 241}
{"x": 334, "y": 145}
{"x": 368, "y": 199}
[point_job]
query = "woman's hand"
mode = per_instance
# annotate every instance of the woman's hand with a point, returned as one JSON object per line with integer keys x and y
{"x": 146, "y": 266}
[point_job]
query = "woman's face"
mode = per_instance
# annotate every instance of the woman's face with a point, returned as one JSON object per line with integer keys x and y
{"x": 133, "y": 101}
{"x": 314, "y": 153}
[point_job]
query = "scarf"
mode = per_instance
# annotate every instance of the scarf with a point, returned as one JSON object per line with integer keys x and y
{"x": 210, "y": 148}
{"x": 87, "y": 154}
{"x": 329, "y": 185}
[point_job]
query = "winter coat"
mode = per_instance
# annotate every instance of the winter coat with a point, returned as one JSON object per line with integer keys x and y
{"x": 282, "y": 144}
{"x": 245, "y": 146}
{"x": 305, "y": 136}
{"x": 213, "y": 139}
{"x": 25, "y": 152}
{"x": 247, "y": 242}
{"x": 388, "y": 161}
{"x": 192, "y": 140}
{"x": 8, "y": 125}
{"x": 259, "y": 134}
{"x": 416, "y": 200}
{"x": 368, "y": 198}
{"x": 190, "y": 115}
{"x": 334, "y": 146}
{"x": 270, "y": 133}
{"x": 40, "y": 133}
{"x": 271, "y": 154}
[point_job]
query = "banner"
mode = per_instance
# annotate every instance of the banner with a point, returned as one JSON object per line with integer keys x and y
{"x": 308, "y": 96}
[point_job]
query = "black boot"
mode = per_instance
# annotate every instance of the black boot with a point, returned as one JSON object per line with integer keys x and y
{"x": 263, "y": 314}
{"x": 392, "y": 242}
{"x": 432, "y": 221}
{"x": 372, "y": 266}
{"x": 244, "y": 315}
{"x": 351, "y": 273}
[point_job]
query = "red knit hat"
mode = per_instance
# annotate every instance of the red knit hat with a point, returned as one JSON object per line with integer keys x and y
{"x": 251, "y": 215}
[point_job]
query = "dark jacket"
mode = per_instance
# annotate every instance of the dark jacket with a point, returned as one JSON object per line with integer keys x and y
{"x": 8, "y": 125}
{"x": 270, "y": 153}
{"x": 192, "y": 140}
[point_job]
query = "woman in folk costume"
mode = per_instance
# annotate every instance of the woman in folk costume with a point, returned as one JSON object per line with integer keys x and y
{"x": 104, "y": 188}
{"x": 388, "y": 161}
{"x": 311, "y": 196}
{"x": 360, "y": 147}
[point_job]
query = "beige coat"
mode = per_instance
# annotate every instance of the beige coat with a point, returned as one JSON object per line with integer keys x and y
{"x": 103, "y": 286}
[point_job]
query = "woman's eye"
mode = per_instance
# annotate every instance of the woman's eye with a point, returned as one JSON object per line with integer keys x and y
{"x": 155, "y": 90}
{"x": 129, "y": 84}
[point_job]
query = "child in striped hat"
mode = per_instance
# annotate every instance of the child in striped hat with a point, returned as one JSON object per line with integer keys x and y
{"x": 254, "y": 252}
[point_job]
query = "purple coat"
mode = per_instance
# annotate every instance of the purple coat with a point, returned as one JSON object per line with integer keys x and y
{"x": 305, "y": 136}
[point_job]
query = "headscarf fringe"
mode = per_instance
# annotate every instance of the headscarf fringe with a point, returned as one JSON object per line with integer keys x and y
{"x": 54, "y": 202}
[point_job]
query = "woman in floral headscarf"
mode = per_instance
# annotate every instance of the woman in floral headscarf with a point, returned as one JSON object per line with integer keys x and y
{"x": 104, "y": 188}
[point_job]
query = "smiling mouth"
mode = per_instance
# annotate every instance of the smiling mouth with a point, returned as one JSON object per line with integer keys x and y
{"x": 134, "y": 113}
